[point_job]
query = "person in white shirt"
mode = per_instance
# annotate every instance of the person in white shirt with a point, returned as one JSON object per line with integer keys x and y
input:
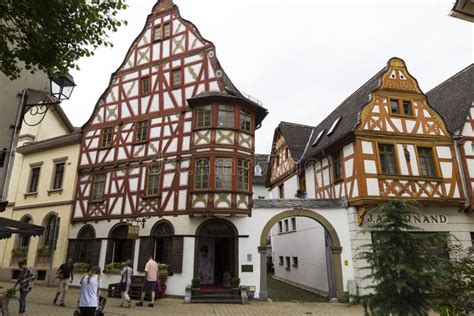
{"x": 90, "y": 291}
{"x": 125, "y": 282}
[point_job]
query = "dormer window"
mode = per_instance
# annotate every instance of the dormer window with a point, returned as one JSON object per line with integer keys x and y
{"x": 332, "y": 129}
{"x": 318, "y": 138}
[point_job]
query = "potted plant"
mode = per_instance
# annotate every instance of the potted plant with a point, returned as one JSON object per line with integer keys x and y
{"x": 81, "y": 266}
{"x": 20, "y": 251}
{"x": 163, "y": 269}
{"x": 195, "y": 284}
{"x": 44, "y": 251}
{"x": 234, "y": 284}
{"x": 11, "y": 292}
{"x": 114, "y": 267}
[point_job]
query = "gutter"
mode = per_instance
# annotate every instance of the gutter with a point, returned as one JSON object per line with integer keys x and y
{"x": 457, "y": 137}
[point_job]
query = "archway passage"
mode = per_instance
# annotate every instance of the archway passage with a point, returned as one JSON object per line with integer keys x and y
{"x": 336, "y": 284}
{"x": 216, "y": 253}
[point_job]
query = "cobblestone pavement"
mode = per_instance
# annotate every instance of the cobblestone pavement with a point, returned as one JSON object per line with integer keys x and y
{"x": 40, "y": 302}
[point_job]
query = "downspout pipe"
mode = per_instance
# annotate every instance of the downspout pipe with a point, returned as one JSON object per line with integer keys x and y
{"x": 457, "y": 145}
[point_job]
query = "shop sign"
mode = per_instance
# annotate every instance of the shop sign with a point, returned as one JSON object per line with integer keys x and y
{"x": 413, "y": 219}
{"x": 133, "y": 231}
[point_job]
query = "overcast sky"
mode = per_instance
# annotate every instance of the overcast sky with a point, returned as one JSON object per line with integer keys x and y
{"x": 300, "y": 58}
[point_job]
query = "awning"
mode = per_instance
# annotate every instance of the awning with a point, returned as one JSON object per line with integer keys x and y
{"x": 10, "y": 226}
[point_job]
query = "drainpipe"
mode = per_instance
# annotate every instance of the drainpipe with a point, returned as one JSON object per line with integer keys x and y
{"x": 19, "y": 116}
{"x": 457, "y": 137}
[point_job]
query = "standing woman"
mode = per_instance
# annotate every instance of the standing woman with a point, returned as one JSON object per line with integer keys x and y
{"x": 125, "y": 282}
{"x": 90, "y": 290}
{"x": 25, "y": 281}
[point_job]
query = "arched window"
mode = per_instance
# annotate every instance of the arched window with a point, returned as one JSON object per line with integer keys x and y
{"x": 119, "y": 248}
{"x": 51, "y": 231}
{"x": 86, "y": 248}
{"x": 163, "y": 245}
{"x": 24, "y": 241}
{"x": 162, "y": 234}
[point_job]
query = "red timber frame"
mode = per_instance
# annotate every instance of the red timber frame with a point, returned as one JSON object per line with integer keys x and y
{"x": 170, "y": 123}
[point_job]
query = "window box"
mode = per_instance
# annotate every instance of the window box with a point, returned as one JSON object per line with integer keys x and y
{"x": 20, "y": 251}
{"x": 44, "y": 251}
{"x": 81, "y": 266}
{"x": 114, "y": 267}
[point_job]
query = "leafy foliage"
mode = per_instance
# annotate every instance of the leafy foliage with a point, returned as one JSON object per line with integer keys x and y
{"x": 44, "y": 250}
{"x": 81, "y": 266}
{"x": 402, "y": 262}
{"x": 20, "y": 251}
{"x": 195, "y": 283}
{"x": 114, "y": 267}
{"x": 455, "y": 289}
{"x": 51, "y": 35}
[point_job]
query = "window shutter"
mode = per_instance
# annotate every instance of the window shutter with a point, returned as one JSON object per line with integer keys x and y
{"x": 144, "y": 252}
{"x": 94, "y": 252}
{"x": 71, "y": 249}
{"x": 110, "y": 251}
{"x": 177, "y": 254}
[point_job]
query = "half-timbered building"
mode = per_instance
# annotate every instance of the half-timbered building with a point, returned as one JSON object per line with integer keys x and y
{"x": 385, "y": 141}
{"x": 454, "y": 100}
{"x": 170, "y": 144}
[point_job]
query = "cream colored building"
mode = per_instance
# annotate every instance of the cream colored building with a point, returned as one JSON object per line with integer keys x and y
{"x": 41, "y": 192}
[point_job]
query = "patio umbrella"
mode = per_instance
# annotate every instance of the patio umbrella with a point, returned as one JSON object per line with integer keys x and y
{"x": 9, "y": 226}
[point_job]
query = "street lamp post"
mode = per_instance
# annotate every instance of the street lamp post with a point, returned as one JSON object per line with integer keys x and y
{"x": 61, "y": 88}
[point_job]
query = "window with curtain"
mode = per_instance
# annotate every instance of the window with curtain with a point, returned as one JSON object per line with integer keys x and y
{"x": 427, "y": 167}
{"x": 223, "y": 173}
{"x": 201, "y": 173}
{"x": 387, "y": 159}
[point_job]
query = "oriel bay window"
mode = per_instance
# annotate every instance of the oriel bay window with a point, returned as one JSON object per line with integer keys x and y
{"x": 427, "y": 167}
{"x": 387, "y": 159}
{"x": 203, "y": 116}
{"x": 243, "y": 174}
{"x": 98, "y": 186}
{"x": 223, "y": 173}
{"x": 245, "y": 120}
{"x": 201, "y": 174}
{"x": 225, "y": 117}
{"x": 153, "y": 180}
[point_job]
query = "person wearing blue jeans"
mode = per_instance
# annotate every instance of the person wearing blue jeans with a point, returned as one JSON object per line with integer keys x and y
{"x": 25, "y": 282}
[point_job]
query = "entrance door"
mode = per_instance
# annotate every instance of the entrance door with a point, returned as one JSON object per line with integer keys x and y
{"x": 216, "y": 252}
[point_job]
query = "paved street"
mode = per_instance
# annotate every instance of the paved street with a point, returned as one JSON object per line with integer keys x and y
{"x": 40, "y": 303}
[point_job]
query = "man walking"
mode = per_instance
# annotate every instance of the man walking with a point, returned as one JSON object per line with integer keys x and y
{"x": 66, "y": 276}
{"x": 151, "y": 273}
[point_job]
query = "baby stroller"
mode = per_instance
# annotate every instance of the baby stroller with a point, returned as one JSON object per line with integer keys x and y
{"x": 98, "y": 312}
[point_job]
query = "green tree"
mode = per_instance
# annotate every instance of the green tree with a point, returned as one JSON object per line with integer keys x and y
{"x": 51, "y": 35}
{"x": 454, "y": 290}
{"x": 401, "y": 262}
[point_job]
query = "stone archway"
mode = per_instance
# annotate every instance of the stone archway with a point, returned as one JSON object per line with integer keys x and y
{"x": 336, "y": 249}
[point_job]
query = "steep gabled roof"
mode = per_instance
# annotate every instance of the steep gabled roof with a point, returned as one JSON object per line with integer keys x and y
{"x": 348, "y": 113}
{"x": 262, "y": 161}
{"x": 296, "y": 137}
{"x": 453, "y": 98}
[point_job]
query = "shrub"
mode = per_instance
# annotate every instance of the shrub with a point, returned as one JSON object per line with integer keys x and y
{"x": 11, "y": 292}
{"x": 81, "y": 266}
{"x": 44, "y": 250}
{"x": 195, "y": 283}
{"x": 163, "y": 267}
{"x": 114, "y": 267}
{"x": 235, "y": 282}
{"x": 20, "y": 251}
